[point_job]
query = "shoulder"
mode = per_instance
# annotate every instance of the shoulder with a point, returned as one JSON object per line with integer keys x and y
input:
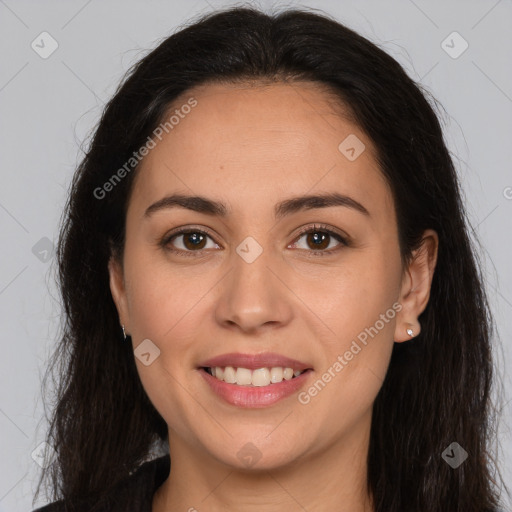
{"x": 135, "y": 493}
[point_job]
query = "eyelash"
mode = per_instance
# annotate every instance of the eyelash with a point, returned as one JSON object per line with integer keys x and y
{"x": 316, "y": 228}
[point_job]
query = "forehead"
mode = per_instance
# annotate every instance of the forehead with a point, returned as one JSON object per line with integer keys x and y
{"x": 252, "y": 143}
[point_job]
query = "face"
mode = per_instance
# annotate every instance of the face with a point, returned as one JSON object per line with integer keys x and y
{"x": 318, "y": 282}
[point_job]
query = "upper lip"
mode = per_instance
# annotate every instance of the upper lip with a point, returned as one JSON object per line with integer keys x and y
{"x": 255, "y": 361}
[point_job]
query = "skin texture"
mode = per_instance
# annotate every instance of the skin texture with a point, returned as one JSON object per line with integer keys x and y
{"x": 252, "y": 146}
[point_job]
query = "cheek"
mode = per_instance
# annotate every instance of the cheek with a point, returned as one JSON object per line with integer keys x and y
{"x": 166, "y": 308}
{"x": 367, "y": 313}
{"x": 354, "y": 364}
{"x": 358, "y": 303}
{"x": 162, "y": 297}
{"x": 351, "y": 293}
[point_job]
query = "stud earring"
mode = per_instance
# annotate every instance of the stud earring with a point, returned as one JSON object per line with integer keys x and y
{"x": 410, "y": 332}
{"x": 124, "y": 332}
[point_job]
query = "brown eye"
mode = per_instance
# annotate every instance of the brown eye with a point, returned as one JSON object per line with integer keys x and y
{"x": 194, "y": 240}
{"x": 189, "y": 241}
{"x": 319, "y": 240}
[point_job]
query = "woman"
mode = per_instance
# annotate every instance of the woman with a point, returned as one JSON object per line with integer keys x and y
{"x": 266, "y": 270}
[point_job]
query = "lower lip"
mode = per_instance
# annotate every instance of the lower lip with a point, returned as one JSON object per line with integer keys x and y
{"x": 254, "y": 396}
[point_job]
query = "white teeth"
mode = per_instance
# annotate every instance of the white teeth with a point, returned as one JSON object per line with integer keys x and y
{"x": 259, "y": 377}
{"x": 288, "y": 373}
{"x": 229, "y": 375}
{"x": 243, "y": 376}
{"x": 276, "y": 375}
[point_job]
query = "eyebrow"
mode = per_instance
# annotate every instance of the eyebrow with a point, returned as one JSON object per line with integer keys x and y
{"x": 287, "y": 207}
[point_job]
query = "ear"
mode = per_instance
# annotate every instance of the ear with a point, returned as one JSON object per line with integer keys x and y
{"x": 415, "y": 287}
{"x": 118, "y": 290}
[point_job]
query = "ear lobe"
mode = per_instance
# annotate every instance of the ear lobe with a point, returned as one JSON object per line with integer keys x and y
{"x": 118, "y": 290}
{"x": 416, "y": 284}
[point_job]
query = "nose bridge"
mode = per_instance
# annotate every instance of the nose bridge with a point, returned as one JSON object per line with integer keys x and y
{"x": 252, "y": 296}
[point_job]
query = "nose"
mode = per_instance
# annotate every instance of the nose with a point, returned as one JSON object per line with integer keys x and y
{"x": 252, "y": 297}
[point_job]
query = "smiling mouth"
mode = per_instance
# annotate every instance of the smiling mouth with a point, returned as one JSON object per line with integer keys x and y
{"x": 253, "y": 378}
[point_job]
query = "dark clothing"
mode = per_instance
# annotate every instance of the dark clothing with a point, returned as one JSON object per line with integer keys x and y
{"x": 134, "y": 494}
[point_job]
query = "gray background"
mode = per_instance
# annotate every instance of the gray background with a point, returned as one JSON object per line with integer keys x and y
{"x": 49, "y": 106}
